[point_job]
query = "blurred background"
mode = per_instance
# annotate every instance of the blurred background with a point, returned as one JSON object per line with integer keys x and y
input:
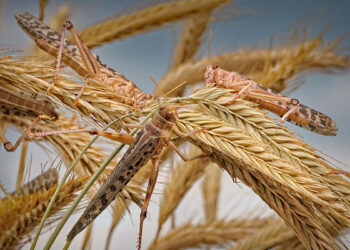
{"x": 249, "y": 23}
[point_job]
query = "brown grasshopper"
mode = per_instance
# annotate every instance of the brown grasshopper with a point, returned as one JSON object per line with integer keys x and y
{"x": 20, "y": 104}
{"x": 289, "y": 109}
{"x": 14, "y": 103}
{"x": 81, "y": 60}
{"x": 148, "y": 144}
{"x": 45, "y": 180}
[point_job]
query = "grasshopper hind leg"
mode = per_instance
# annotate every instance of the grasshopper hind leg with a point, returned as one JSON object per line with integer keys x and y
{"x": 150, "y": 188}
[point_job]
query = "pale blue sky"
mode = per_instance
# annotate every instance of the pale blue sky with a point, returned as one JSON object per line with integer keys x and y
{"x": 151, "y": 54}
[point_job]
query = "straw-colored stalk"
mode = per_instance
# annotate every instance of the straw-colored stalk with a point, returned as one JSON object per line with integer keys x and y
{"x": 209, "y": 233}
{"x": 97, "y": 104}
{"x": 308, "y": 55}
{"x": 3, "y": 189}
{"x": 191, "y": 37}
{"x": 144, "y": 20}
{"x": 42, "y": 7}
{"x": 321, "y": 213}
{"x": 60, "y": 17}
{"x": 181, "y": 180}
{"x": 87, "y": 242}
{"x": 211, "y": 190}
{"x": 270, "y": 235}
{"x": 22, "y": 164}
{"x": 21, "y": 214}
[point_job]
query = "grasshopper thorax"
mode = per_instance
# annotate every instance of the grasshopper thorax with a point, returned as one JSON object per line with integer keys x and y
{"x": 162, "y": 123}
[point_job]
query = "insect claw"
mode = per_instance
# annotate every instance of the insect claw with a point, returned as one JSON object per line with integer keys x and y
{"x": 8, "y": 146}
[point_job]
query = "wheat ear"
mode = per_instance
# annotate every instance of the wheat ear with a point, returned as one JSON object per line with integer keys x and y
{"x": 22, "y": 214}
{"x": 190, "y": 39}
{"x": 144, "y": 20}
{"x": 209, "y": 233}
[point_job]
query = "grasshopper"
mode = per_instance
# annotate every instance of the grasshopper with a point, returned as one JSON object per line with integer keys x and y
{"x": 43, "y": 181}
{"x": 20, "y": 104}
{"x": 81, "y": 60}
{"x": 289, "y": 109}
{"x": 147, "y": 145}
{"x": 13, "y": 103}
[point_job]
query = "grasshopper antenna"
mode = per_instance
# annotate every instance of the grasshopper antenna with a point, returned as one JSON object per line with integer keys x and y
{"x": 178, "y": 86}
{"x": 161, "y": 91}
{"x": 154, "y": 81}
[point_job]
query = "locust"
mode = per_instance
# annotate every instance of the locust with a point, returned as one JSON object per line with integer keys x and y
{"x": 43, "y": 181}
{"x": 288, "y": 109}
{"x": 81, "y": 60}
{"x": 19, "y": 104}
{"x": 147, "y": 145}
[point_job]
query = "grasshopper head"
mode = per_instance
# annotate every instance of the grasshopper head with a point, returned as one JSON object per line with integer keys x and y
{"x": 210, "y": 73}
{"x": 168, "y": 113}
